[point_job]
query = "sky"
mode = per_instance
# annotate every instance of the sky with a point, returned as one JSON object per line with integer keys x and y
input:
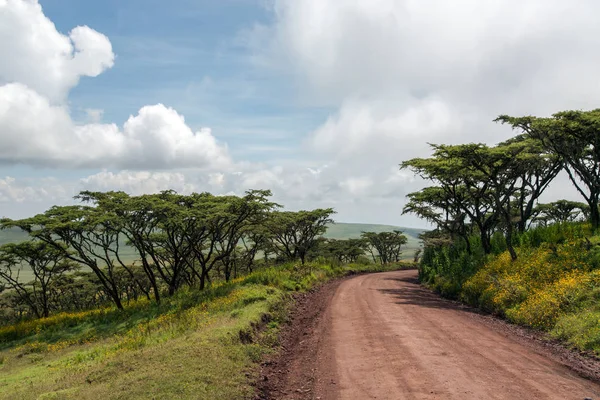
{"x": 317, "y": 100}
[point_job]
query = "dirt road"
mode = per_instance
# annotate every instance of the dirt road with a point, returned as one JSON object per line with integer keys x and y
{"x": 382, "y": 336}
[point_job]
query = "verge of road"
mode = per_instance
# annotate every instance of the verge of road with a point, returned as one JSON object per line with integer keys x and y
{"x": 291, "y": 372}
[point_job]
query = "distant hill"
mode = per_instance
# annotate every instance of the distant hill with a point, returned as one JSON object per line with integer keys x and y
{"x": 12, "y": 235}
{"x": 341, "y": 230}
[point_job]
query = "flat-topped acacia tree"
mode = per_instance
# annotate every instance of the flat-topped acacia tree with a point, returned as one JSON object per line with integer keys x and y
{"x": 575, "y": 137}
{"x": 387, "y": 246}
{"x": 493, "y": 186}
{"x": 86, "y": 235}
{"x": 295, "y": 233}
{"x": 47, "y": 265}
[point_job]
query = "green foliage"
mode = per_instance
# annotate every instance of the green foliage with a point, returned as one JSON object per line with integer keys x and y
{"x": 180, "y": 241}
{"x": 573, "y": 137}
{"x": 494, "y": 246}
{"x": 295, "y": 233}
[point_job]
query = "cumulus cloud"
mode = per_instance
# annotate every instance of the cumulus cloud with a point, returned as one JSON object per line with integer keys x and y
{"x": 425, "y": 68}
{"x": 137, "y": 182}
{"x": 35, "y": 123}
{"x": 19, "y": 191}
{"x": 35, "y": 132}
{"x": 44, "y": 59}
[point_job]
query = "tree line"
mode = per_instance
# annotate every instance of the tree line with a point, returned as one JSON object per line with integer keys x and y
{"x": 80, "y": 256}
{"x": 482, "y": 190}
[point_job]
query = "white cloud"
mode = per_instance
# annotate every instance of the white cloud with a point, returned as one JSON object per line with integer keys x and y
{"x": 94, "y": 115}
{"x": 42, "y": 58}
{"x": 370, "y": 47}
{"x": 19, "y": 191}
{"x": 32, "y": 131}
{"x": 362, "y": 129}
{"x": 35, "y": 123}
{"x": 419, "y": 70}
{"x": 137, "y": 182}
{"x": 357, "y": 186}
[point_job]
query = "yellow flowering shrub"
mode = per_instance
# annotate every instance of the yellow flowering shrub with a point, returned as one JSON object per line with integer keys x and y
{"x": 537, "y": 287}
{"x": 543, "y": 307}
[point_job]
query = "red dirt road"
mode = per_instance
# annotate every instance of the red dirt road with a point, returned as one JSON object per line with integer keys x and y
{"x": 383, "y": 336}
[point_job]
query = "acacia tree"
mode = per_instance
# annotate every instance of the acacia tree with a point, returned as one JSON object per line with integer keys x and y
{"x": 387, "y": 246}
{"x": 294, "y": 233}
{"x": 512, "y": 170}
{"x": 484, "y": 183}
{"x": 138, "y": 222}
{"x": 464, "y": 190}
{"x": 561, "y": 211}
{"x": 86, "y": 236}
{"x": 437, "y": 206}
{"x": 255, "y": 239}
{"x": 238, "y": 217}
{"x": 344, "y": 251}
{"x": 575, "y": 137}
{"x": 46, "y": 263}
{"x": 167, "y": 245}
{"x": 534, "y": 168}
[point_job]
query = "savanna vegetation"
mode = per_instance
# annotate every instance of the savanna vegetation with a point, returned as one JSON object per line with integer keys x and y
{"x": 164, "y": 295}
{"x": 496, "y": 246}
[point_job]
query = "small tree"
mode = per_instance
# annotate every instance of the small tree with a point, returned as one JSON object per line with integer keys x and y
{"x": 561, "y": 211}
{"x": 294, "y": 234}
{"x": 387, "y": 246}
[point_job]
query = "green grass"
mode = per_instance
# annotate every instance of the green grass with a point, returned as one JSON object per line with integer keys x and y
{"x": 196, "y": 345}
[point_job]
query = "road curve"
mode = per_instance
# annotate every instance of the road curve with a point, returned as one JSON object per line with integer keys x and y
{"x": 385, "y": 337}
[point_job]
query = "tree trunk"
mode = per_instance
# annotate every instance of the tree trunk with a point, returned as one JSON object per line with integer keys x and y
{"x": 486, "y": 243}
{"x": 203, "y": 278}
{"x": 467, "y": 243}
{"x": 116, "y": 299}
{"x": 509, "y": 245}
{"x": 594, "y": 213}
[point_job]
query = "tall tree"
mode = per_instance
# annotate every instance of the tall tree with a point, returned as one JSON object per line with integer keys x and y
{"x": 575, "y": 137}
{"x": 463, "y": 188}
{"x": 535, "y": 169}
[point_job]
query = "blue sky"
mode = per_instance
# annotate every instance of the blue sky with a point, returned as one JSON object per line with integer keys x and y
{"x": 188, "y": 55}
{"x": 317, "y": 100}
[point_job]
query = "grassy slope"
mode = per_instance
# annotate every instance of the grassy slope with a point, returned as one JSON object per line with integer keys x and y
{"x": 198, "y": 345}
